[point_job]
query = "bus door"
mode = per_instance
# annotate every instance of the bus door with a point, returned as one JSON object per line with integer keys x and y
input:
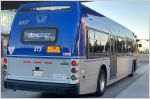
{"x": 113, "y": 58}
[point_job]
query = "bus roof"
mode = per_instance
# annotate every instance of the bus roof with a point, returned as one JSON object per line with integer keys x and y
{"x": 98, "y": 21}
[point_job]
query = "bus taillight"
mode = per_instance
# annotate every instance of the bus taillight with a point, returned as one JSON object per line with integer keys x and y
{"x": 73, "y": 77}
{"x": 5, "y": 60}
{"x": 73, "y": 63}
{"x": 5, "y": 67}
{"x": 74, "y": 70}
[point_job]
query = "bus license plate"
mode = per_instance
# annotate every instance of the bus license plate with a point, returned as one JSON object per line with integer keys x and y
{"x": 38, "y": 73}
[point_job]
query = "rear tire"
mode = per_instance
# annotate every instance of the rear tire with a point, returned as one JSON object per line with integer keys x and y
{"x": 101, "y": 84}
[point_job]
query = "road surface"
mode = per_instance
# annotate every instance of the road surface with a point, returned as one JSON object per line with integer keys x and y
{"x": 121, "y": 89}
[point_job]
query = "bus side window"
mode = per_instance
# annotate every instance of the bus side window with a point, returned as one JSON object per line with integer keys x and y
{"x": 124, "y": 45}
{"x": 90, "y": 43}
{"x": 121, "y": 46}
{"x": 107, "y": 47}
{"x": 111, "y": 40}
{"x": 115, "y": 45}
{"x": 129, "y": 46}
{"x": 98, "y": 44}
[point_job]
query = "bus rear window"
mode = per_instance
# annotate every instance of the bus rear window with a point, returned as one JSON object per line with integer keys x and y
{"x": 49, "y": 8}
{"x": 39, "y": 35}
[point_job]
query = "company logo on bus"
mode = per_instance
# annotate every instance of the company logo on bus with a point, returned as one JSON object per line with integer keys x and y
{"x": 41, "y": 19}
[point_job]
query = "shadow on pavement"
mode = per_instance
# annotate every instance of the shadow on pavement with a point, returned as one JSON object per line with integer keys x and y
{"x": 46, "y": 95}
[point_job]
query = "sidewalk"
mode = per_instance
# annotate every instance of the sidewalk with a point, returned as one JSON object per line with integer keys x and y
{"x": 139, "y": 89}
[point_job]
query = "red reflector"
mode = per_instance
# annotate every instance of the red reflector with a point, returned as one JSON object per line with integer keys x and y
{"x": 48, "y": 62}
{"x": 5, "y": 60}
{"x": 27, "y": 62}
{"x": 37, "y": 62}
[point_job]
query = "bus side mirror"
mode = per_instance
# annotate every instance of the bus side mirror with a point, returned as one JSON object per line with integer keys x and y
{"x": 140, "y": 45}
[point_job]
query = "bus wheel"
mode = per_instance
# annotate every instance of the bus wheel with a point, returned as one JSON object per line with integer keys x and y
{"x": 133, "y": 70}
{"x": 101, "y": 83}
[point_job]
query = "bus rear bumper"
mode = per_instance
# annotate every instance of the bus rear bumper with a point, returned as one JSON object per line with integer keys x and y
{"x": 55, "y": 88}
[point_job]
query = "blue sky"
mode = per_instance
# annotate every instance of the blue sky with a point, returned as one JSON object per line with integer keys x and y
{"x": 133, "y": 14}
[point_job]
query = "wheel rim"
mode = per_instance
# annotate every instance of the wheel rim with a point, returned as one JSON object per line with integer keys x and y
{"x": 102, "y": 82}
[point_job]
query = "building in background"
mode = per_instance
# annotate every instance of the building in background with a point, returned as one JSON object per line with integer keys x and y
{"x": 7, "y": 17}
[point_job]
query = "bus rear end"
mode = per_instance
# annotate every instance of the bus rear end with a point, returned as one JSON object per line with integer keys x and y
{"x": 43, "y": 48}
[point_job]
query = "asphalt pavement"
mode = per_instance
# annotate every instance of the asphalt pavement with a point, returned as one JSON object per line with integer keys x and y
{"x": 129, "y": 87}
{"x": 138, "y": 89}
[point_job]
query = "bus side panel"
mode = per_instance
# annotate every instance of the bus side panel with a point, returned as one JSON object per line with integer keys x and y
{"x": 124, "y": 65}
{"x": 91, "y": 71}
{"x": 130, "y": 64}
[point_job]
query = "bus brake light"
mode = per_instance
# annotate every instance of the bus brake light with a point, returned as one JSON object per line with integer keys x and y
{"x": 73, "y": 63}
{"x": 5, "y": 60}
{"x": 5, "y": 67}
{"x": 73, "y": 70}
{"x": 73, "y": 77}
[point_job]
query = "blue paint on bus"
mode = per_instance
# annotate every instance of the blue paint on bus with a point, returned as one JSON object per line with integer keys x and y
{"x": 70, "y": 35}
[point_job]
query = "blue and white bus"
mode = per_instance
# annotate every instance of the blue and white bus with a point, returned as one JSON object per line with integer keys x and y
{"x": 67, "y": 48}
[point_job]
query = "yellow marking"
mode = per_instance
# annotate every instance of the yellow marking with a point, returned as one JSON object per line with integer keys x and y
{"x": 53, "y": 49}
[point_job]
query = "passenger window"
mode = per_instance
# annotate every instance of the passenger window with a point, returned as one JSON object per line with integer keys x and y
{"x": 121, "y": 45}
{"x": 129, "y": 46}
{"x": 124, "y": 45}
{"x": 113, "y": 44}
{"x": 91, "y": 41}
{"x": 102, "y": 42}
{"x": 91, "y": 34}
{"x": 115, "y": 39}
{"x": 98, "y": 44}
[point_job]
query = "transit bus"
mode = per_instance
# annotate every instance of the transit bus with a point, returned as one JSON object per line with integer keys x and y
{"x": 67, "y": 48}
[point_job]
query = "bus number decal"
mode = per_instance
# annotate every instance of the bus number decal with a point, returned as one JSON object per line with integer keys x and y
{"x": 24, "y": 22}
{"x": 37, "y": 48}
